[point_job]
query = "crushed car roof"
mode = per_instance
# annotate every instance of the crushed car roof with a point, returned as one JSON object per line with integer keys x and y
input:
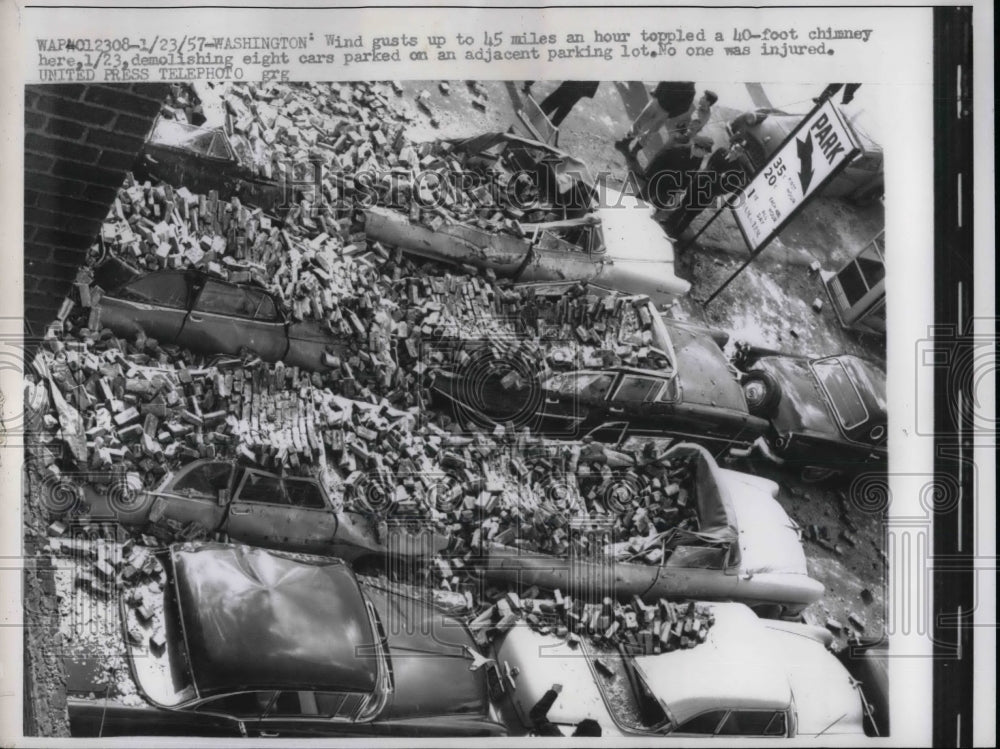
{"x": 255, "y": 619}
{"x": 716, "y": 516}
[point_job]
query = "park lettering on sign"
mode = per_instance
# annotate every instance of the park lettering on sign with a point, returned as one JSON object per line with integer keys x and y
{"x": 812, "y": 154}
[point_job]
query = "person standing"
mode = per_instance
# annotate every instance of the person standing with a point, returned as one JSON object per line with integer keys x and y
{"x": 849, "y": 90}
{"x": 669, "y": 171}
{"x": 700, "y": 114}
{"x": 727, "y": 170}
{"x": 560, "y": 102}
{"x": 670, "y": 100}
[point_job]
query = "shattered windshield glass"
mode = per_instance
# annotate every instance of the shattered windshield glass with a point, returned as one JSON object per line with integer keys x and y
{"x": 627, "y": 699}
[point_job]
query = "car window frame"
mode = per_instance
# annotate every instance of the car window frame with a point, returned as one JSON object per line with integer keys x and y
{"x": 680, "y": 731}
{"x": 122, "y": 292}
{"x": 188, "y": 492}
{"x": 286, "y": 482}
{"x": 829, "y": 398}
{"x": 613, "y": 394}
{"x": 269, "y": 717}
{"x": 209, "y": 701}
{"x": 774, "y": 713}
{"x": 238, "y": 494}
{"x": 247, "y": 291}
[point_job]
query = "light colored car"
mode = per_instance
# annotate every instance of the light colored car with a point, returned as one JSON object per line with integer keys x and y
{"x": 750, "y": 677}
{"x": 746, "y": 549}
{"x": 601, "y": 235}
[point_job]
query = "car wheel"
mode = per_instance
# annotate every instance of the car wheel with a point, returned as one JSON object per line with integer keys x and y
{"x": 762, "y": 393}
{"x": 815, "y": 474}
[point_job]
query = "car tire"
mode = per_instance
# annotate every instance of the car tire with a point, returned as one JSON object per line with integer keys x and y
{"x": 762, "y": 393}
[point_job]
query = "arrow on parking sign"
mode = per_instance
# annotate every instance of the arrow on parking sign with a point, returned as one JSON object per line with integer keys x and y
{"x": 805, "y": 149}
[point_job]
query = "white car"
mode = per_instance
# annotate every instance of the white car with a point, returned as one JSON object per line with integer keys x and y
{"x": 746, "y": 549}
{"x": 750, "y": 677}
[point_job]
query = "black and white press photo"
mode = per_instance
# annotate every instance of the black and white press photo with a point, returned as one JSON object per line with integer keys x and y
{"x": 455, "y": 408}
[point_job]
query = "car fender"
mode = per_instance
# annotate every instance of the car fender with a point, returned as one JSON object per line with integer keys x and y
{"x": 205, "y": 511}
{"x": 793, "y": 592}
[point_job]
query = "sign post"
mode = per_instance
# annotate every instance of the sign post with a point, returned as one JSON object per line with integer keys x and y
{"x": 812, "y": 154}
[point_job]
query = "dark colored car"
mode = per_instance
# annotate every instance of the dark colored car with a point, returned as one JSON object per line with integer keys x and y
{"x": 828, "y": 415}
{"x": 695, "y": 396}
{"x": 264, "y": 509}
{"x": 265, "y": 644}
{"x": 209, "y": 314}
{"x": 763, "y": 130}
{"x": 204, "y": 159}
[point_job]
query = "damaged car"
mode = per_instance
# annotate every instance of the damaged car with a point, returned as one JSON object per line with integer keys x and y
{"x": 559, "y": 224}
{"x": 202, "y": 312}
{"x": 239, "y": 641}
{"x": 293, "y": 513}
{"x": 692, "y": 393}
{"x": 534, "y": 212}
{"x": 729, "y": 539}
{"x": 749, "y": 677}
{"x": 828, "y": 416}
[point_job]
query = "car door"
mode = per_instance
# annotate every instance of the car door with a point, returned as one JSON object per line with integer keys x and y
{"x": 633, "y": 399}
{"x": 196, "y": 493}
{"x": 155, "y": 303}
{"x": 281, "y": 513}
{"x": 226, "y": 317}
{"x": 716, "y": 428}
{"x": 307, "y": 713}
{"x": 575, "y": 401}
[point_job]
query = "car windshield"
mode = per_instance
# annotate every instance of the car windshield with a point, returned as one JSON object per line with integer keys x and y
{"x": 333, "y": 705}
{"x": 625, "y": 693}
{"x": 841, "y": 392}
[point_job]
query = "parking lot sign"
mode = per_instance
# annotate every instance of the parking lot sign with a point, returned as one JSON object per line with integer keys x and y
{"x": 811, "y": 155}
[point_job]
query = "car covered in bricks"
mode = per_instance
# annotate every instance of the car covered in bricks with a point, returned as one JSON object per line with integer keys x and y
{"x": 710, "y": 533}
{"x": 736, "y": 676}
{"x": 678, "y": 384}
{"x": 524, "y": 210}
{"x": 514, "y": 205}
{"x": 828, "y": 415}
{"x": 207, "y": 313}
{"x": 295, "y": 513}
{"x": 229, "y": 640}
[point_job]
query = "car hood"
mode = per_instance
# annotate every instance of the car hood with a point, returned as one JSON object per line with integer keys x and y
{"x": 544, "y": 660}
{"x": 429, "y": 662}
{"x": 802, "y": 407}
{"x": 769, "y": 539}
{"x": 704, "y": 372}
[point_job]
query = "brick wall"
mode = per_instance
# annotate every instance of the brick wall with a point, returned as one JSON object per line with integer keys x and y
{"x": 79, "y": 140}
